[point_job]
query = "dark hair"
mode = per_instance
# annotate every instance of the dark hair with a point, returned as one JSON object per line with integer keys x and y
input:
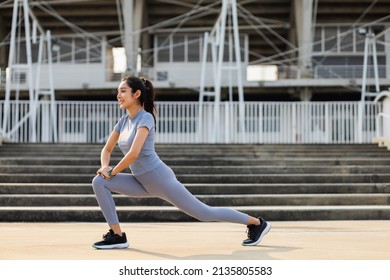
{"x": 147, "y": 96}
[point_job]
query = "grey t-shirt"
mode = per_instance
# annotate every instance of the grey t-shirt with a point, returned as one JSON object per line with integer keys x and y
{"x": 127, "y": 128}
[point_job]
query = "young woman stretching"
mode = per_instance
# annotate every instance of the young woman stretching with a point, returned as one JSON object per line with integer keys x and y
{"x": 135, "y": 135}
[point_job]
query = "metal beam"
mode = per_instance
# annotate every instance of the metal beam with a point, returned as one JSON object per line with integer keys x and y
{"x": 205, "y": 28}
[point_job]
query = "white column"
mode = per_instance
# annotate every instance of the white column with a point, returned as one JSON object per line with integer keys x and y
{"x": 132, "y": 18}
{"x": 138, "y": 18}
{"x": 128, "y": 20}
{"x": 304, "y": 24}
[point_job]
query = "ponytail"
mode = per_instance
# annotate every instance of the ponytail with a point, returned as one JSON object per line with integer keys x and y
{"x": 150, "y": 96}
{"x": 147, "y": 96}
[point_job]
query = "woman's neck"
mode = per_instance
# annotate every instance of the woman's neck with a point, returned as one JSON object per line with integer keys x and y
{"x": 133, "y": 111}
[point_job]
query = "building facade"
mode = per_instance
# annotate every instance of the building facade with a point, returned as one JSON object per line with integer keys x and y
{"x": 290, "y": 50}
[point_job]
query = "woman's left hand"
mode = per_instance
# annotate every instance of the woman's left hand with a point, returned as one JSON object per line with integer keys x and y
{"x": 104, "y": 172}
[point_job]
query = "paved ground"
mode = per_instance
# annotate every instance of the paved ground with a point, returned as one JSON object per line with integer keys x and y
{"x": 327, "y": 240}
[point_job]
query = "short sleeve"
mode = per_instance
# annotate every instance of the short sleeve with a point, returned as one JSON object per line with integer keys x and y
{"x": 119, "y": 124}
{"x": 147, "y": 121}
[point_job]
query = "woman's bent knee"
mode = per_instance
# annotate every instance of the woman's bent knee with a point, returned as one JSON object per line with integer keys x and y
{"x": 97, "y": 182}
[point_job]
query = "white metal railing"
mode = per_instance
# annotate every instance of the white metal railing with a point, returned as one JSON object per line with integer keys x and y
{"x": 346, "y": 71}
{"x": 265, "y": 122}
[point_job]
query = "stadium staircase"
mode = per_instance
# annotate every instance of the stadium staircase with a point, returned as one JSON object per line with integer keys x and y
{"x": 52, "y": 182}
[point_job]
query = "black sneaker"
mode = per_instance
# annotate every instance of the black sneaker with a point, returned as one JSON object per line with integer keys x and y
{"x": 112, "y": 240}
{"x": 256, "y": 233}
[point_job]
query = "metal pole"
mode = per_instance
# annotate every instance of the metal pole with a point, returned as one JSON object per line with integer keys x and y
{"x": 202, "y": 85}
{"x": 375, "y": 61}
{"x": 53, "y": 105}
{"x": 367, "y": 48}
{"x": 30, "y": 72}
{"x": 10, "y": 63}
{"x": 220, "y": 49}
{"x": 239, "y": 72}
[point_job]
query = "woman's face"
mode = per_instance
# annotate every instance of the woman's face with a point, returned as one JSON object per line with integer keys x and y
{"x": 125, "y": 96}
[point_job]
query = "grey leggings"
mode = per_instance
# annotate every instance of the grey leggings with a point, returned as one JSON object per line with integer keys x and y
{"x": 160, "y": 182}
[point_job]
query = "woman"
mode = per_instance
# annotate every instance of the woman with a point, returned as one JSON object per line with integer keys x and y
{"x": 135, "y": 135}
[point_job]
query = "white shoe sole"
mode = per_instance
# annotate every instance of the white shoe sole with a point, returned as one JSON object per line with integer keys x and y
{"x": 265, "y": 231}
{"x": 113, "y": 246}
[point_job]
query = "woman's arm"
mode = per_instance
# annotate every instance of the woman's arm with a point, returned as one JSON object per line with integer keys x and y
{"x": 105, "y": 154}
{"x": 132, "y": 155}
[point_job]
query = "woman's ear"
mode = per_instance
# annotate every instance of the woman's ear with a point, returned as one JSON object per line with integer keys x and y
{"x": 137, "y": 93}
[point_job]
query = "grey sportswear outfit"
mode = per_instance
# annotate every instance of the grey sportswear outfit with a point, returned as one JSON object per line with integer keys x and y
{"x": 151, "y": 177}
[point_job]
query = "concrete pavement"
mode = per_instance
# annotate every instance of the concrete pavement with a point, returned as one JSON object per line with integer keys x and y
{"x": 307, "y": 240}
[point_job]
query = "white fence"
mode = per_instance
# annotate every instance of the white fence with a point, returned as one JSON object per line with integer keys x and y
{"x": 265, "y": 122}
{"x": 347, "y": 71}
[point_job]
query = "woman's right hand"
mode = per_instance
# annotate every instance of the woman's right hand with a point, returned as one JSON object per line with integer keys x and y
{"x": 103, "y": 170}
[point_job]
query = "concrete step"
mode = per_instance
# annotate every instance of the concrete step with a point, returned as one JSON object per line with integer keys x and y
{"x": 203, "y": 147}
{"x": 171, "y": 214}
{"x": 204, "y": 154}
{"x": 201, "y": 170}
{"x": 198, "y": 150}
{"x": 199, "y": 153}
{"x": 218, "y": 188}
{"x": 212, "y": 178}
{"x": 41, "y": 182}
{"x": 204, "y": 161}
{"x": 28, "y": 200}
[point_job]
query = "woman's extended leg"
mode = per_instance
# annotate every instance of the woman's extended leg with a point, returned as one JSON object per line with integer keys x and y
{"x": 162, "y": 183}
